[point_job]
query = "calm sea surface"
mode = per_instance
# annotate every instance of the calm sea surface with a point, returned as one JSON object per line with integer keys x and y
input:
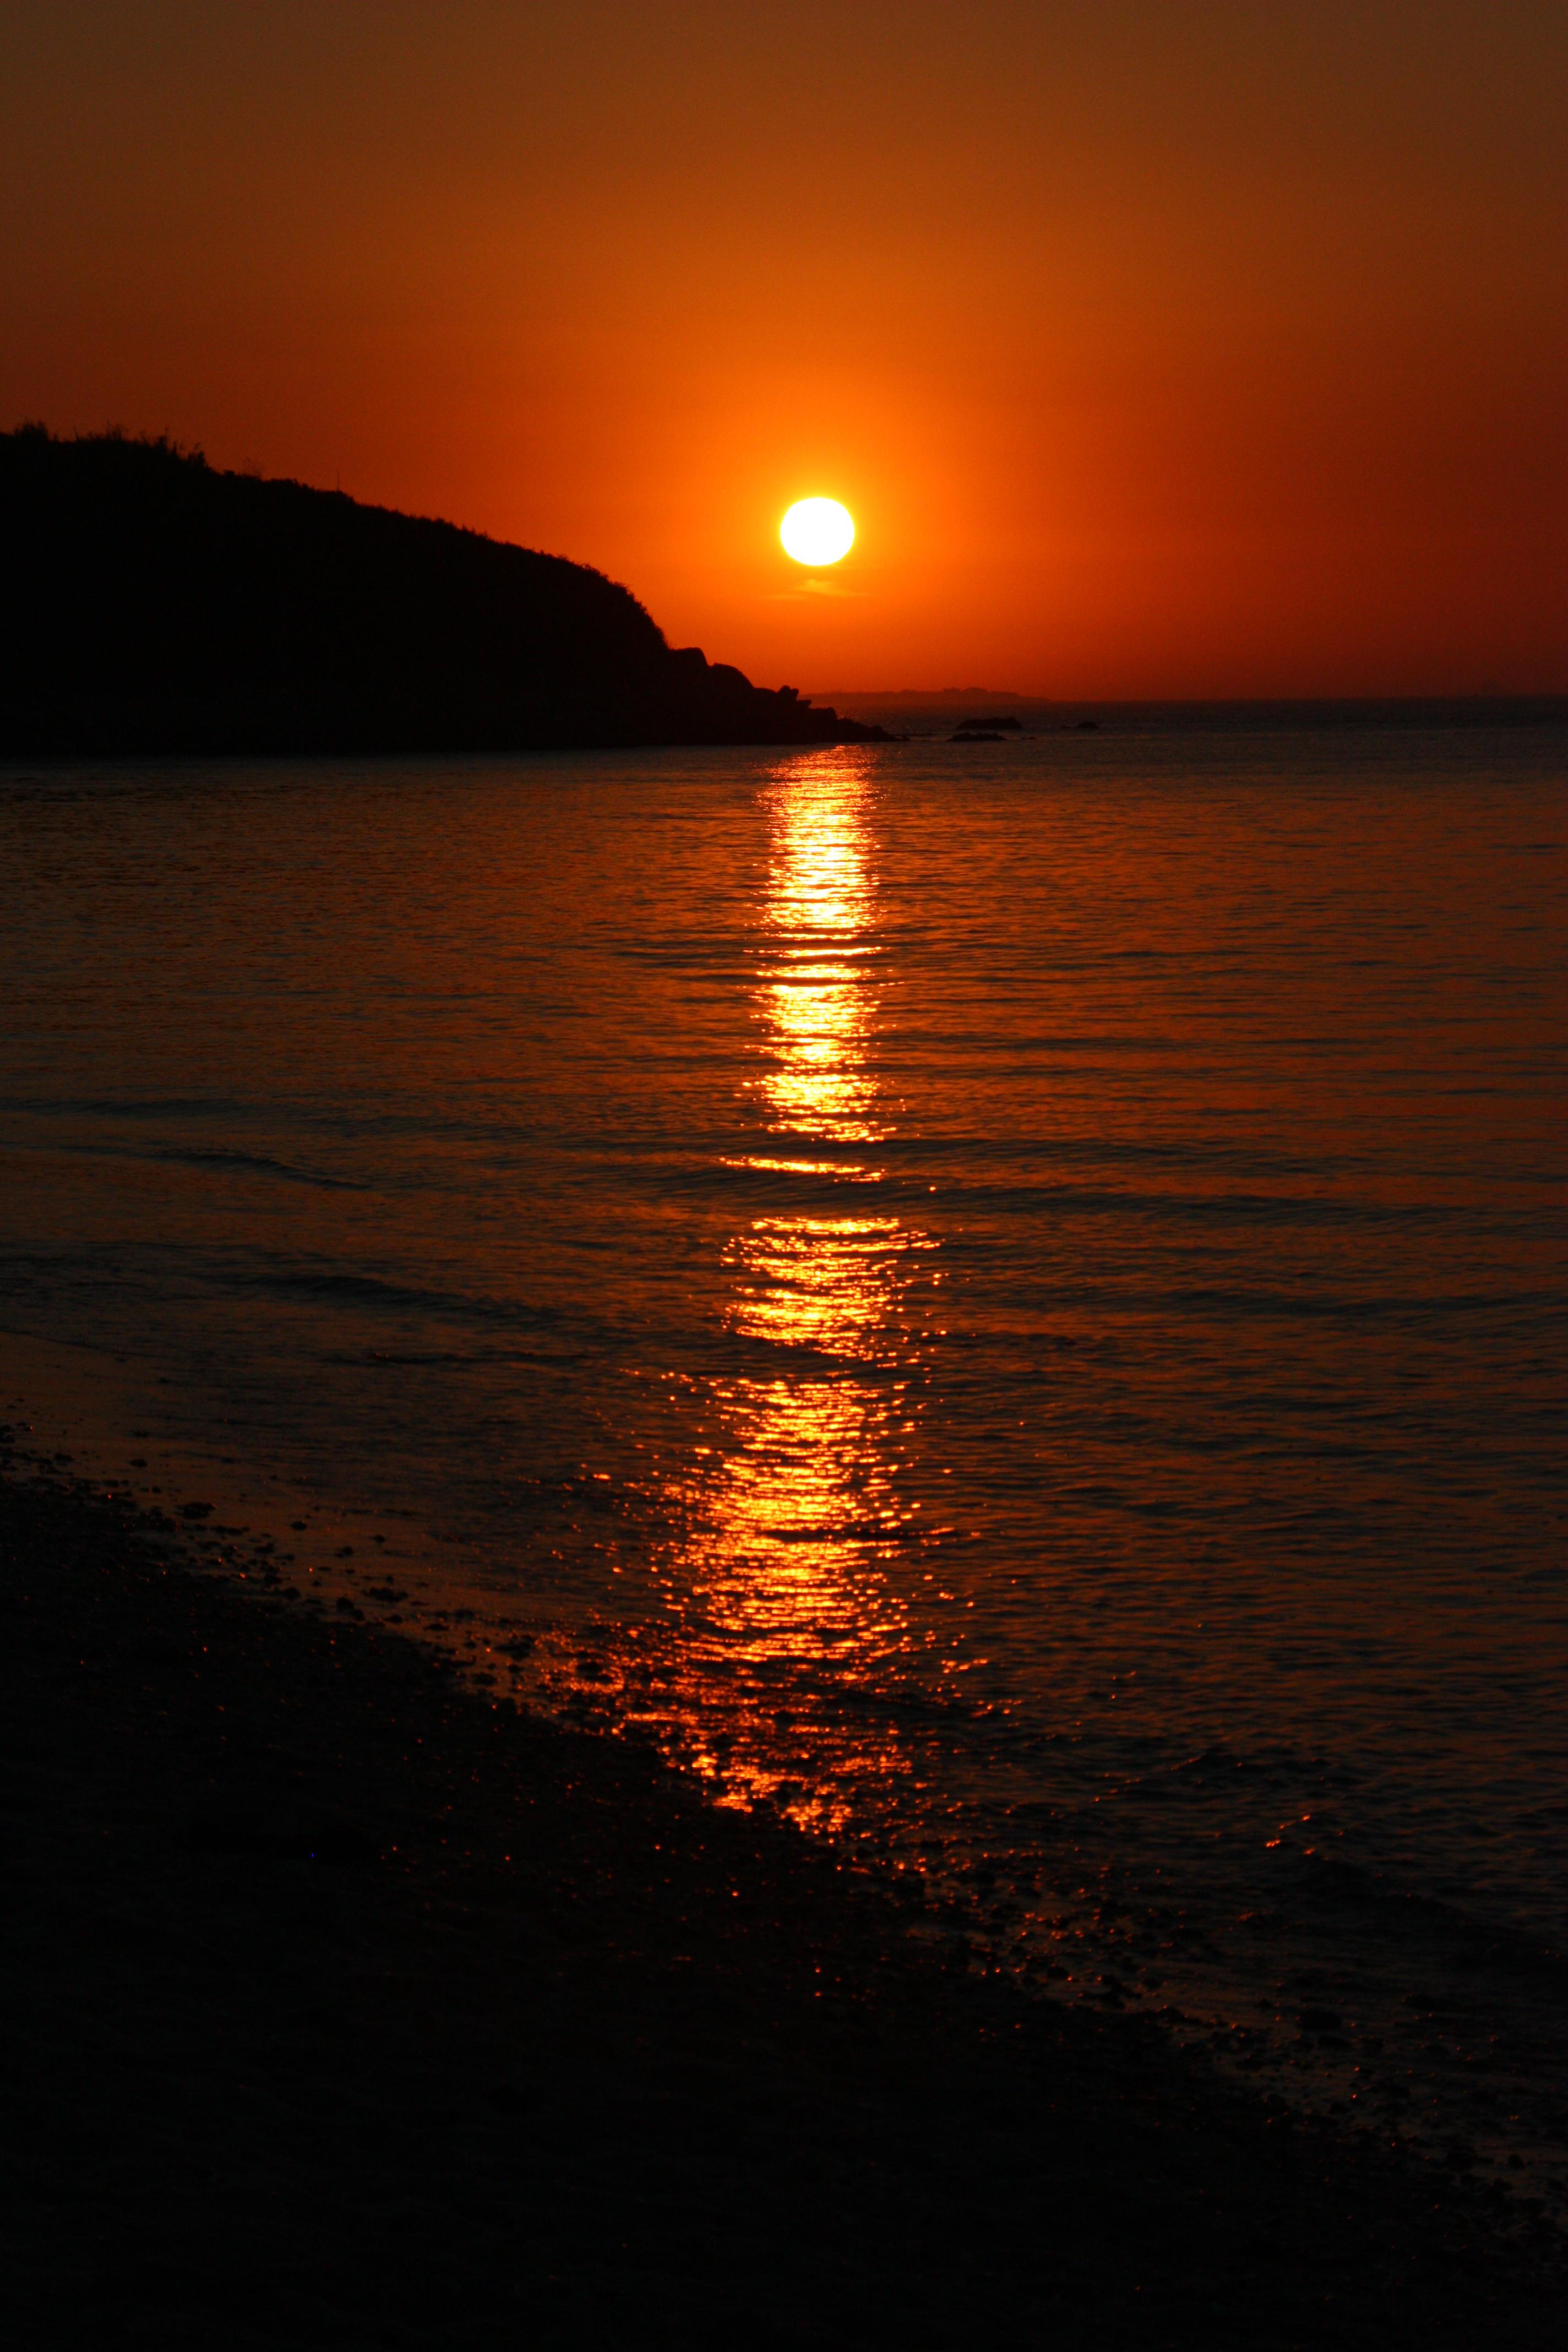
{"x": 1006, "y": 1301}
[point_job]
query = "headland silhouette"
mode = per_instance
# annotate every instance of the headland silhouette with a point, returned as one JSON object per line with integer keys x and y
{"x": 158, "y": 605}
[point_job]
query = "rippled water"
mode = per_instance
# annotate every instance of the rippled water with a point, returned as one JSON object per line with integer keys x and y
{"x": 1009, "y": 1302}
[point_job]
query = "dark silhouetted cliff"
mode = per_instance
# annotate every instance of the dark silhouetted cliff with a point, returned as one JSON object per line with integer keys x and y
{"x": 152, "y": 603}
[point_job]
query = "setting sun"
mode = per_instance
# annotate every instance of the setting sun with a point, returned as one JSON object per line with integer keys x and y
{"x": 817, "y": 530}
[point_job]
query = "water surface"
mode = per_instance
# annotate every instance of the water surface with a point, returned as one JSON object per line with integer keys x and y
{"x": 1008, "y": 1301}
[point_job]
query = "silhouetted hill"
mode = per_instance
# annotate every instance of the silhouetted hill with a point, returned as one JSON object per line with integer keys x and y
{"x": 153, "y": 603}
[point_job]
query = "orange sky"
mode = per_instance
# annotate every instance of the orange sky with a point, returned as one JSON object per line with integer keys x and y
{"x": 1156, "y": 348}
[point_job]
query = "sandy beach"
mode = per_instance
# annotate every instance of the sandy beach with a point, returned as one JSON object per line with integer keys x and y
{"x": 349, "y": 2008}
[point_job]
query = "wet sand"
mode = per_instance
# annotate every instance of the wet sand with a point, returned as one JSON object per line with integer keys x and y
{"x": 348, "y": 2008}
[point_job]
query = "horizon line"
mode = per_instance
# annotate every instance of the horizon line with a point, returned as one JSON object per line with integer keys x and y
{"x": 1002, "y": 695}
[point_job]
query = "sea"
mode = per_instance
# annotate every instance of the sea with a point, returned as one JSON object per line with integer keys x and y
{"x": 1003, "y": 1302}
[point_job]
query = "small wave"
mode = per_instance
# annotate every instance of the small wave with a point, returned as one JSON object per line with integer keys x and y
{"x": 338, "y": 1287}
{"x": 260, "y": 1163}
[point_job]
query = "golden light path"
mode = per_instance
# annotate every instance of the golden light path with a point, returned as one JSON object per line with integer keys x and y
{"x": 786, "y": 1563}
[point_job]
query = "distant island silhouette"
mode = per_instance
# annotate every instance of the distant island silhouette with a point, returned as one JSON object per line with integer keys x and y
{"x": 926, "y": 697}
{"x": 157, "y": 604}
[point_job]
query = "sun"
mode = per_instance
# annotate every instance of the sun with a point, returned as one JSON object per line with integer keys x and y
{"x": 817, "y": 530}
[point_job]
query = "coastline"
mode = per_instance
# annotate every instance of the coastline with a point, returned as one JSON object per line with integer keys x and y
{"x": 176, "y": 610}
{"x": 349, "y": 2007}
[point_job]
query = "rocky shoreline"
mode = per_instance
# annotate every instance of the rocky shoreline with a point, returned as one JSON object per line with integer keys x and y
{"x": 347, "y": 2007}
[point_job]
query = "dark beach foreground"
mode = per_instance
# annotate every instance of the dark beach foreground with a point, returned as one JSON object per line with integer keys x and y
{"x": 344, "y": 2008}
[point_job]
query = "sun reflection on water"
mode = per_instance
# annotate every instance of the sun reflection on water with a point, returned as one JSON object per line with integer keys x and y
{"x": 817, "y": 995}
{"x": 798, "y": 1515}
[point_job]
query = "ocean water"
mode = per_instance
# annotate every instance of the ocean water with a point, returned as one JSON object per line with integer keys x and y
{"x": 1006, "y": 1301}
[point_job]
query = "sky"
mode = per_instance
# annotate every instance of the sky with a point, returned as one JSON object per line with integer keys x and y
{"x": 1199, "y": 349}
